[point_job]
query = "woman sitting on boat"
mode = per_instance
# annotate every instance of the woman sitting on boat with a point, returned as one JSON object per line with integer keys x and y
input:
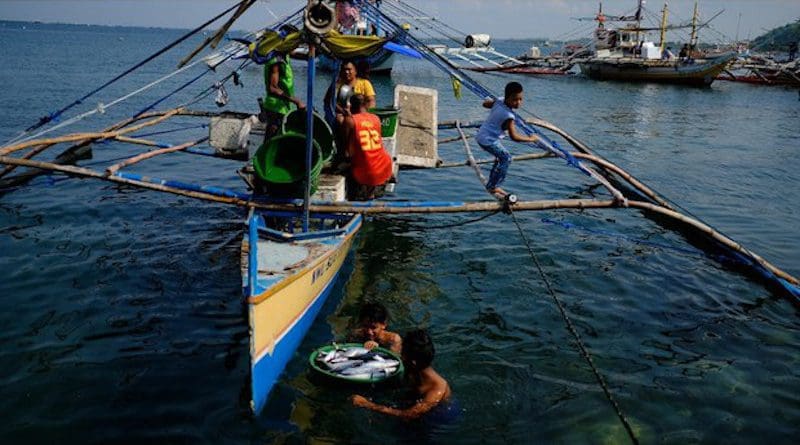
{"x": 348, "y": 75}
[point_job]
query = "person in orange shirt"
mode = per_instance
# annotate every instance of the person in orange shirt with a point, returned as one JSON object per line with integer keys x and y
{"x": 370, "y": 163}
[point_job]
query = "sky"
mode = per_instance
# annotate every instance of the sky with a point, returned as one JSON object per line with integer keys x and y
{"x": 552, "y": 19}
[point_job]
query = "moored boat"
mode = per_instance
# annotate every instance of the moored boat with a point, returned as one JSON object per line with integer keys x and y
{"x": 697, "y": 72}
{"x": 625, "y": 54}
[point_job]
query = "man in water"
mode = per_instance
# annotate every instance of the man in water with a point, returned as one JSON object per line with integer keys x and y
{"x": 432, "y": 388}
{"x": 372, "y": 323}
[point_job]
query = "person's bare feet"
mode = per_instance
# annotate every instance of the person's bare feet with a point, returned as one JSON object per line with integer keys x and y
{"x": 500, "y": 193}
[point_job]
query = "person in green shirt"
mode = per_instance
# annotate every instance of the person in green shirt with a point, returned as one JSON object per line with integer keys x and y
{"x": 279, "y": 81}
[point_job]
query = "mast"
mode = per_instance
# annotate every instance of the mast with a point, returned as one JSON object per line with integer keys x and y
{"x": 309, "y": 132}
{"x": 663, "y": 26}
{"x": 693, "y": 39}
{"x": 639, "y": 20}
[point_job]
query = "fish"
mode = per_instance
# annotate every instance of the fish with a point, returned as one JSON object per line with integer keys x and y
{"x": 329, "y": 356}
{"x": 370, "y": 367}
{"x": 353, "y": 352}
{"x": 358, "y": 363}
{"x": 342, "y": 366}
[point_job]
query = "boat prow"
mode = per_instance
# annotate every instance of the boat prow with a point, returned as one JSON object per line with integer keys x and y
{"x": 286, "y": 278}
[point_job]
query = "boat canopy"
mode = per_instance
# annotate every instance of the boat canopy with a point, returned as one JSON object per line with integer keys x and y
{"x": 334, "y": 43}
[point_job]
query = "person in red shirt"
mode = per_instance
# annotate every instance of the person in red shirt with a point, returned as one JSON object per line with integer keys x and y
{"x": 370, "y": 163}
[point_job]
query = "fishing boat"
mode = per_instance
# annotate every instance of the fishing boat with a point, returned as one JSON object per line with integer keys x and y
{"x": 763, "y": 72}
{"x": 293, "y": 246}
{"x": 625, "y": 54}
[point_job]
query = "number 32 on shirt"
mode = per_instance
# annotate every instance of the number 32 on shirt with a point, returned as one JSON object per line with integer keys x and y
{"x": 369, "y": 140}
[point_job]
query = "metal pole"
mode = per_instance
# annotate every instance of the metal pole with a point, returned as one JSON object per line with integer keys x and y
{"x": 309, "y": 130}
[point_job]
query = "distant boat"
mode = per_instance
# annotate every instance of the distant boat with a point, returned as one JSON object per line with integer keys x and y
{"x": 625, "y": 54}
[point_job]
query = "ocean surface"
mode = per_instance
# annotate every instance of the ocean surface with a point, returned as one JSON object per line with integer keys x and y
{"x": 122, "y": 315}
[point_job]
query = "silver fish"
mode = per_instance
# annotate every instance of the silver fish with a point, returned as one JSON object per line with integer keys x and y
{"x": 343, "y": 366}
{"x": 369, "y": 367}
{"x": 352, "y": 352}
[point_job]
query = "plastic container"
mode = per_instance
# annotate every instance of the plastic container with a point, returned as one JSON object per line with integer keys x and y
{"x": 281, "y": 164}
{"x": 295, "y": 122}
{"x": 388, "y": 117}
{"x": 332, "y": 377}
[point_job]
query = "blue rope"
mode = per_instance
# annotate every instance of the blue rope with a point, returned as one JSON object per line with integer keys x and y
{"x": 471, "y": 84}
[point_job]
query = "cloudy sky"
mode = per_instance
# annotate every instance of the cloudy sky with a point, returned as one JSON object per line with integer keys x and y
{"x": 552, "y": 19}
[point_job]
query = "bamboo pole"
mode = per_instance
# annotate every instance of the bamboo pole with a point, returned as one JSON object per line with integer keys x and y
{"x": 387, "y": 208}
{"x": 137, "y": 141}
{"x": 528, "y": 157}
{"x": 214, "y": 39}
{"x": 70, "y": 154}
{"x": 93, "y": 136}
{"x": 35, "y": 151}
{"x": 150, "y": 154}
{"x": 722, "y": 239}
{"x": 470, "y": 158}
{"x": 626, "y": 176}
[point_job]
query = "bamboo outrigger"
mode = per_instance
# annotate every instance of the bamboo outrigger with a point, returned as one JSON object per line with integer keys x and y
{"x": 293, "y": 248}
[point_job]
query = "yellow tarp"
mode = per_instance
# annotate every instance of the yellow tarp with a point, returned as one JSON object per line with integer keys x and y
{"x": 344, "y": 46}
{"x": 271, "y": 41}
{"x": 336, "y": 44}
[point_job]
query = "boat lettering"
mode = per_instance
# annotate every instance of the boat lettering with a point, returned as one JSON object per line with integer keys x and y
{"x": 320, "y": 271}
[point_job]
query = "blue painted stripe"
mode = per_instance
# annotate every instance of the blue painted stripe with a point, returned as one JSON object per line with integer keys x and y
{"x": 791, "y": 288}
{"x": 266, "y": 371}
{"x": 252, "y": 259}
{"x": 204, "y": 151}
{"x": 218, "y": 191}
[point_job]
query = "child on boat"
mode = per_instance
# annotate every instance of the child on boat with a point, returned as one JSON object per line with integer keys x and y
{"x": 372, "y": 323}
{"x": 500, "y": 120}
{"x": 433, "y": 390}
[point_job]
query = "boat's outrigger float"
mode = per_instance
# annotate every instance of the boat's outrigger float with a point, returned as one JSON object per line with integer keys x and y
{"x": 293, "y": 248}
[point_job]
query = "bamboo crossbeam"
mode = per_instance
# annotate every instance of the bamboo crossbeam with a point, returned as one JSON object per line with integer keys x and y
{"x": 389, "y": 208}
{"x": 93, "y": 136}
{"x": 69, "y": 155}
{"x": 137, "y": 141}
{"x": 34, "y": 151}
{"x": 150, "y": 154}
{"x": 527, "y": 157}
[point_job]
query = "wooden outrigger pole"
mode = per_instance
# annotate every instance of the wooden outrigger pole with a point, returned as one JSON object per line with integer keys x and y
{"x": 223, "y": 196}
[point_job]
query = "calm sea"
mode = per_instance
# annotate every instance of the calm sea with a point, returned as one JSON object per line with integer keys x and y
{"x": 121, "y": 309}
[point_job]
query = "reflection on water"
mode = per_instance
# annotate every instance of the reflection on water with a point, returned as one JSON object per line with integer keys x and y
{"x": 123, "y": 320}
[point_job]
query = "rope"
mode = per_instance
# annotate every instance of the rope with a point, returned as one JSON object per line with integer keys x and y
{"x": 180, "y": 88}
{"x": 102, "y": 108}
{"x": 420, "y": 228}
{"x": 44, "y": 120}
{"x": 571, "y": 328}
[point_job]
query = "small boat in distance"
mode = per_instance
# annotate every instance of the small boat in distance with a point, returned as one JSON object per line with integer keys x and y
{"x": 625, "y": 54}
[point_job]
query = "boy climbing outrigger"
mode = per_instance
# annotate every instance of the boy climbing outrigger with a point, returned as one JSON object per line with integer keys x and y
{"x": 500, "y": 120}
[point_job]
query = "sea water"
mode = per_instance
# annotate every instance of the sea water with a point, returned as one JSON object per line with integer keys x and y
{"x": 121, "y": 309}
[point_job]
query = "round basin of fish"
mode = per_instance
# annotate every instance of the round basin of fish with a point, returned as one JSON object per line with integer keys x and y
{"x": 351, "y": 363}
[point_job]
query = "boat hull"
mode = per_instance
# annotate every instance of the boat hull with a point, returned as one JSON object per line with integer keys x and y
{"x": 282, "y": 307}
{"x": 700, "y": 73}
